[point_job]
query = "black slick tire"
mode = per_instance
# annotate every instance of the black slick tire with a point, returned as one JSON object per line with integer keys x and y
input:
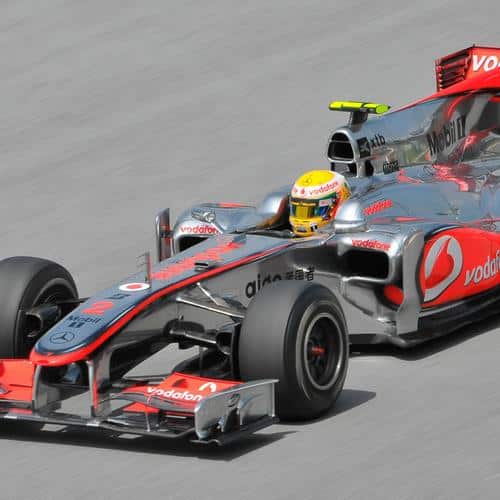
{"x": 26, "y": 282}
{"x": 295, "y": 332}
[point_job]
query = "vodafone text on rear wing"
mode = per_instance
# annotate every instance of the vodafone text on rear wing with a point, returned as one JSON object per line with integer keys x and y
{"x": 464, "y": 64}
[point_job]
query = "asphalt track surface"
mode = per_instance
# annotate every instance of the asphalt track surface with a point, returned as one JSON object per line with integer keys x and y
{"x": 111, "y": 110}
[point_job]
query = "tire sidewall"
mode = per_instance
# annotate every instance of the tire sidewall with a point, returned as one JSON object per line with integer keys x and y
{"x": 309, "y": 400}
{"x": 41, "y": 285}
{"x": 23, "y": 283}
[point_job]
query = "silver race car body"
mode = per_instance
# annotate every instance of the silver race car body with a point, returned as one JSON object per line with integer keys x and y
{"x": 413, "y": 254}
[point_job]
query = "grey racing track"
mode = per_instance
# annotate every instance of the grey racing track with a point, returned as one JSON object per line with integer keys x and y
{"x": 111, "y": 110}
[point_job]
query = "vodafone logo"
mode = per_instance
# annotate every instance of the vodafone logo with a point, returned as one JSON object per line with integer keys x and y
{"x": 202, "y": 229}
{"x": 485, "y": 271}
{"x": 442, "y": 266}
{"x": 187, "y": 264}
{"x": 134, "y": 287}
{"x": 307, "y": 192}
{"x": 376, "y": 245}
{"x": 173, "y": 394}
{"x": 378, "y": 206}
{"x": 208, "y": 385}
{"x": 327, "y": 188}
{"x": 484, "y": 63}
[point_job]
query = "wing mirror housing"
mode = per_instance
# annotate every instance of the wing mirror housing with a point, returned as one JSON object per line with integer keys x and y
{"x": 350, "y": 218}
{"x": 163, "y": 235}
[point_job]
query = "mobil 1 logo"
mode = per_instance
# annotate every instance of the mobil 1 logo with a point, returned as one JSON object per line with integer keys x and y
{"x": 449, "y": 134}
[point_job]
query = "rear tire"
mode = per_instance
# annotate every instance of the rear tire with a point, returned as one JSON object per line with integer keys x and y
{"x": 26, "y": 282}
{"x": 296, "y": 332}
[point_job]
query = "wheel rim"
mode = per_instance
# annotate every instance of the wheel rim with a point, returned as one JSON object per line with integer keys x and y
{"x": 323, "y": 347}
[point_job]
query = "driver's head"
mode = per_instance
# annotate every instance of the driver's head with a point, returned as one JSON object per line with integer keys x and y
{"x": 315, "y": 198}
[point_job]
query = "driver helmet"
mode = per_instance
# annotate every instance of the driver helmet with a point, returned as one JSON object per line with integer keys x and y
{"x": 315, "y": 199}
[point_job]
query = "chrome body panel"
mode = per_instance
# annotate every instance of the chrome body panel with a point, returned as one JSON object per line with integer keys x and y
{"x": 272, "y": 212}
{"x": 398, "y": 211}
{"x": 454, "y": 129}
{"x": 424, "y": 168}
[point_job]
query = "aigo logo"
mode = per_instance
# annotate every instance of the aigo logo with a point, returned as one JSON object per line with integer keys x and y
{"x": 442, "y": 266}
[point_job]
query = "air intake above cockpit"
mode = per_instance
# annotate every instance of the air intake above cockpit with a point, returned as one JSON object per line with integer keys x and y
{"x": 340, "y": 148}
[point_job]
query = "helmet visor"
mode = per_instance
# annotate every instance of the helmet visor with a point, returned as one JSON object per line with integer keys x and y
{"x": 302, "y": 209}
{"x": 307, "y": 209}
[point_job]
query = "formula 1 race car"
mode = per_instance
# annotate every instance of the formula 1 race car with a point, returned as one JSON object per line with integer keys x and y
{"x": 413, "y": 254}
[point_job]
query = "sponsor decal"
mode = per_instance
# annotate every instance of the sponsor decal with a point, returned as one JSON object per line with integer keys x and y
{"x": 230, "y": 205}
{"x": 208, "y": 385}
{"x": 371, "y": 244}
{"x": 173, "y": 394}
{"x": 134, "y": 287}
{"x": 377, "y": 140}
{"x": 364, "y": 147}
{"x": 187, "y": 264}
{"x": 62, "y": 337}
{"x": 484, "y": 63}
{"x": 252, "y": 287}
{"x": 378, "y": 206}
{"x": 390, "y": 166}
{"x": 459, "y": 263}
{"x": 77, "y": 321}
{"x": 318, "y": 190}
{"x": 483, "y": 271}
{"x": 99, "y": 308}
{"x": 447, "y": 136}
{"x": 442, "y": 266}
{"x": 200, "y": 229}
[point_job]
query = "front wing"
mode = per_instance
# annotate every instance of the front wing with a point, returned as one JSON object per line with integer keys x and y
{"x": 199, "y": 409}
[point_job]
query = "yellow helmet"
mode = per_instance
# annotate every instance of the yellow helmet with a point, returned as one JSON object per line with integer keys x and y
{"x": 315, "y": 198}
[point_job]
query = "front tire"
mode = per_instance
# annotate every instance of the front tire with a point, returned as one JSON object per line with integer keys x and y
{"x": 26, "y": 282}
{"x": 296, "y": 332}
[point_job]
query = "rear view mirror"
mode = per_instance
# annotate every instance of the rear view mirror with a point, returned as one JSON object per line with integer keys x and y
{"x": 163, "y": 235}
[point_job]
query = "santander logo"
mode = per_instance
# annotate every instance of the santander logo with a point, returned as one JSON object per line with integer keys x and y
{"x": 442, "y": 266}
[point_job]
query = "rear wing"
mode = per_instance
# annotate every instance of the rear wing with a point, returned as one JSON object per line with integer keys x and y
{"x": 465, "y": 64}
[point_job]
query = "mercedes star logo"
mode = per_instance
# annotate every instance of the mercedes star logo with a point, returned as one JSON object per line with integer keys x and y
{"x": 62, "y": 337}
